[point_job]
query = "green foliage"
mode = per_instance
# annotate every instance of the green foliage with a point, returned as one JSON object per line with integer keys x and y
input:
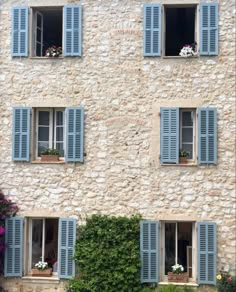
{"x": 226, "y": 282}
{"x": 50, "y": 152}
{"x": 107, "y": 254}
{"x": 169, "y": 288}
{"x": 188, "y": 289}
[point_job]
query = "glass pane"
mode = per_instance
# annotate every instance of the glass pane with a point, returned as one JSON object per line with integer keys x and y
{"x": 43, "y": 134}
{"x": 184, "y": 240}
{"x": 39, "y": 20}
{"x": 39, "y": 51}
{"x": 37, "y": 234}
{"x": 59, "y": 134}
{"x": 43, "y": 118}
{"x": 38, "y": 35}
{"x": 188, "y": 148}
{"x": 169, "y": 247}
{"x": 51, "y": 243}
{"x": 59, "y": 147}
{"x": 59, "y": 118}
{"x": 187, "y": 135}
{"x": 187, "y": 118}
{"x": 42, "y": 146}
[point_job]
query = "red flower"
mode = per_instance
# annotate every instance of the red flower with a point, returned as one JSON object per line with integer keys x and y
{"x": 229, "y": 279}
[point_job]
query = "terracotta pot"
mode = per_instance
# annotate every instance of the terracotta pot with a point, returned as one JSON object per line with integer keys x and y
{"x": 183, "y": 160}
{"x": 41, "y": 273}
{"x": 177, "y": 278}
{"x": 49, "y": 157}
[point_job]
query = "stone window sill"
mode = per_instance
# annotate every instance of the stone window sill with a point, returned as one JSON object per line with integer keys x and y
{"x": 46, "y": 58}
{"x": 43, "y": 280}
{"x": 180, "y": 57}
{"x": 48, "y": 162}
{"x": 192, "y": 164}
{"x": 189, "y": 284}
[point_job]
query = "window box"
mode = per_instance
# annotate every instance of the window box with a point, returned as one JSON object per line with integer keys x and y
{"x": 49, "y": 158}
{"x": 177, "y": 278}
{"x": 41, "y": 273}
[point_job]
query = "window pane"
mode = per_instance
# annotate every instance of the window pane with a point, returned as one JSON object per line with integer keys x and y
{"x": 189, "y": 149}
{"x": 187, "y": 135}
{"x": 42, "y": 146}
{"x": 169, "y": 246}
{"x": 37, "y": 234}
{"x": 187, "y": 118}
{"x": 184, "y": 240}
{"x": 59, "y": 118}
{"x": 59, "y": 147}
{"x": 39, "y": 20}
{"x": 43, "y": 134}
{"x": 44, "y": 118}
{"x": 51, "y": 243}
{"x": 59, "y": 134}
{"x": 39, "y": 52}
{"x": 38, "y": 35}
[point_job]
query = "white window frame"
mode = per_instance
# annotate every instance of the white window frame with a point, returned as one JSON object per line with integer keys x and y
{"x": 194, "y": 110}
{"x": 164, "y": 277}
{"x": 37, "y": 13}
{"x": 189, "y": 4}
{"x": 52, "y": 128}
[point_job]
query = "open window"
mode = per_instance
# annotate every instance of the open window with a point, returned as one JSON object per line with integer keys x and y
{"x": 180, "y": 28}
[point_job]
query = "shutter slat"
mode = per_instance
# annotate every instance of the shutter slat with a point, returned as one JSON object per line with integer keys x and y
{"x": 206, "y": 253}
{"x": 209, "y": 28}
{"x": 14, "y": 242}
{"x": 169, "y": 135}
{"x": 149, "y": 251}
{"x": 152, "y": 30}
{"x": 67, "y": 237}
{"x": 21, "y": 134}
{"x": 75, "y": 133}
{"x": 72, "y": 30}
{"x": 207, "y": 136}
{"x": 19, "y": 43}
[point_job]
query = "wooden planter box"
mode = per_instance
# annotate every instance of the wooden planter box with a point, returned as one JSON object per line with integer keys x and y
{"x": 177, "y": 278}
{"x": 49, "y": 157}
{"x": 41, "y": 273}
{"x": 183, "y": 160}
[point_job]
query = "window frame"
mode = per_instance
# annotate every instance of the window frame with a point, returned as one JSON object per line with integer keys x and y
{"x": 196, "y": 29}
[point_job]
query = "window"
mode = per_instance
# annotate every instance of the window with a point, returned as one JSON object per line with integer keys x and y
{"x": 48, "y": 239}
{"x": 49, "y": 26}
{"x": 57, "y": 128}
{"x": 50, "y": 124}
{"x": 190, "y": 130}
{"x": 166, "y": 33}
{"x": 163, "y": 244}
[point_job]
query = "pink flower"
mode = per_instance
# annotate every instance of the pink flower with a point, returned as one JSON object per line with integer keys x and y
{"x": 229, "y": 279}
{"x": 2, "y": 230}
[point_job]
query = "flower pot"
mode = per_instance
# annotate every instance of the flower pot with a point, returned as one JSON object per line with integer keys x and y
{"x": 183, "y": 160}
{"x": 177, "y": 278}
{"x": 50, "y": 158}
{"x": 41, "y": 273}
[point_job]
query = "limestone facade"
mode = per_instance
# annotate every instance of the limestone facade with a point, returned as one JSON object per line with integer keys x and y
{"x": 121, "y": 92}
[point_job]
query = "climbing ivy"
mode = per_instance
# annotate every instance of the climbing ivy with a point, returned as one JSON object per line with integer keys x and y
{"x": 107, "y": 255}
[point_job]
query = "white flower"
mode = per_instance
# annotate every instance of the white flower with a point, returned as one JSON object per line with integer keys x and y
{"x": 41, "y": 265}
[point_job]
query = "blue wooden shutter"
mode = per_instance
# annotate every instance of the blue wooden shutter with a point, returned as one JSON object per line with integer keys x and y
{"x": 14, "y": 242}
{"x": 209, "y": 28}
{"x": 169, "y": 135}
{"x": 149, "y": 251}
{"x": 19, "y": 44}
{"x": 206, "y": 253}
{"x": 74, "y": 134}
{"x": 207, "y": 136}
{"x": 152, "y": 30}
{"x": 72, "y": 30}
{"x": 67, "y": 238}
{"x": 21, "y": 133}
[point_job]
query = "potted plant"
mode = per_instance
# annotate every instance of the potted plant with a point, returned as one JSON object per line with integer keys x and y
{"x": 178, "y": 275}
{"x": 183, "y": 156}
{"x": 50, "y": 155}
{"x": 188, "y": 50}
{"x": 41, "y": 270}
{"x": 53, "y": 51}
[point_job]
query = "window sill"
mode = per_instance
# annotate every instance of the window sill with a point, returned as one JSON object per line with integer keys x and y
{"x": 46, "y": 58}
{"x": 180, "y": 57}
{"x": 45, "y": 280}
{"x": 48, "y": 162}
{"x": 189, "y": 284}
{"x": 192, "y": 164}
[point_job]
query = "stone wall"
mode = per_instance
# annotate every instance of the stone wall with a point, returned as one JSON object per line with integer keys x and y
{"x": 121, "y": 92}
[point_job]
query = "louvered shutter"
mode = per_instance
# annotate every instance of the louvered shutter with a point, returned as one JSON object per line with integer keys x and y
{"x": 14, "y": 250}
{"x": 72, "y": 30}
{"x": 149, "y": 251}
{"x": 67, "y": 238}
{"x": 19, "y": 44}
{"x": 207, "y": 136}
{"x": 74, "y": 134}
{"x": 21, "y": 134}
{"x": 152, "y": 30}
{"x": 206, "y": 253}
{"x": 169, "y": 135}
{"x": 209, "y": 28}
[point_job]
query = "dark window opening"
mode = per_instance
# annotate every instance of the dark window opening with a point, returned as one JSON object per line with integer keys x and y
{"x": 48, "y": 30}
{"x": 180, "y": 29}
